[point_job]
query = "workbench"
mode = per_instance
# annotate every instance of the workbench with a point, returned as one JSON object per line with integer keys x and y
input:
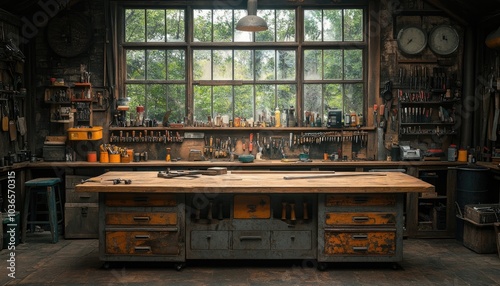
{"x": 321, "y": 216}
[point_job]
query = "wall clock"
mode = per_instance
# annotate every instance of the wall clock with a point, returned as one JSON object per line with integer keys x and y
{"x": 411, "y": 40}
{"x": 444, "y": 40}
{"x": 69, "y": 34}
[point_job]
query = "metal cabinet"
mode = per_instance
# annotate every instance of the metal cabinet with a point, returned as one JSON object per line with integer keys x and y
{"x": 251, "y": 226}
{"x": 360, "y": 227}
{"x": 81, "y": 211}
{"x": 141, "y": 227}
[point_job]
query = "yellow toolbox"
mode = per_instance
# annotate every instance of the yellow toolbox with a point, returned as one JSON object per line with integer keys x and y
{"x": 85, "y": 133}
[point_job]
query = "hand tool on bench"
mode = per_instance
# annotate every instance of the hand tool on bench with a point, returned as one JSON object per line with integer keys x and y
{"x": 332, "y": 175}
{"x": 213, "y": 171}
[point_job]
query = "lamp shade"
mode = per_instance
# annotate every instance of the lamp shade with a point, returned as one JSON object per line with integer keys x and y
{"x": 493, "y": 39}
{"x": 251, "y": 22}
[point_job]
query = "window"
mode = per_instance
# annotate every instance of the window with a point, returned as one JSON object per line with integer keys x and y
{"x": 222, "y": 71}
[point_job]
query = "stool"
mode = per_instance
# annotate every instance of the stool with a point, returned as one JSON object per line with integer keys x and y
{"x": 50, "y": 188}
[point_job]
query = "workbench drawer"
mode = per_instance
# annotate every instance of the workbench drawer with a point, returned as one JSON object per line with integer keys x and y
{"x": 360, "y": 218}
{"x": 359, "y": 242}
{"x": 141, "y": 218}
{"x": 143, "y": 242}
{"x": 140, "y": 200}
{"x": 80, "y": 197}
{"x": 251, "y": 240}
{"x": 213, "y": 240}
{"x": 349, "y": 200}
{"x": 284, "y": 240}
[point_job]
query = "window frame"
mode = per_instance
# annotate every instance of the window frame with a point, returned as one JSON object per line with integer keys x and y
{"x": 299, "y": 45}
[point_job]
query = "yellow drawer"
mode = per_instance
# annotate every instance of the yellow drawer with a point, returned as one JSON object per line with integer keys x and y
{"x": 252, "y": 206}
{"x": 143, "y": 242}
{"x": 92, "y": 133}
{"x": 360, "y": 218}
{"x": 360, "y": 243}
{"x": 361, "y": 200}
{"x": 140, "y": 200}
{"x": 139, "y": 218}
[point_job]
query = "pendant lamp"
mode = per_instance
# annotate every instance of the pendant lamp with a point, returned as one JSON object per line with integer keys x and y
{"x": 251, "y": 22}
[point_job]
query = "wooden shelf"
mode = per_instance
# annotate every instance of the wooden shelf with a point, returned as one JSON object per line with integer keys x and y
{"x": 278, "y": 129}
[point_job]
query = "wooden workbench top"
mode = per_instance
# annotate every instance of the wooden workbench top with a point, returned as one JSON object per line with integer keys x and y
{"x": 259, "y": 182}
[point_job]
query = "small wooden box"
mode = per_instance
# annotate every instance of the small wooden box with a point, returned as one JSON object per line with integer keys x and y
{"x": 482, "y": 213}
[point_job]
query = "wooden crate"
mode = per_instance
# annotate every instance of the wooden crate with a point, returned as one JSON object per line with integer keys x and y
{"x": 479, "y": 237}
{"x": 482, "y": 213}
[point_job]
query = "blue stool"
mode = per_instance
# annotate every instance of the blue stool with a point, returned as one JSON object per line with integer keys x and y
{"x": 50, "y": 188}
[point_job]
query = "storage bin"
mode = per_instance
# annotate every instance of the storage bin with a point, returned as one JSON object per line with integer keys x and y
{"x": 85, "y": 133}
{"x": 104, "y": 157}
{"x": 114, "y": 158}
{"x": 479, "y": 237}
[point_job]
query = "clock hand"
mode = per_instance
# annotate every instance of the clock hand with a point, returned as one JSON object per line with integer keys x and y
{"x": 409, "y": 41}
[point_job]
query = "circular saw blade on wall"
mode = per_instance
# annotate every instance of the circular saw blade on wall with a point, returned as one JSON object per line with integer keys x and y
{"x": 69, "y": 34}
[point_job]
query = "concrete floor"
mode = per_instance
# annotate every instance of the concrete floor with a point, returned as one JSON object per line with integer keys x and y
{"x": 76, "y": 262}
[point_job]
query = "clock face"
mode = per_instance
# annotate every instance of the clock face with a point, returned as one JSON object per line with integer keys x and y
{"x": 444, "y": 40}
{"x": 69, "y": 34}
{"x": 411, "y": 40}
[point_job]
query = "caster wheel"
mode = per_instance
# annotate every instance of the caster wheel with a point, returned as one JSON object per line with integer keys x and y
{"x": 106, "y": 265}
{"x": 322, "y": 266}
{"x": 180, "y": 266}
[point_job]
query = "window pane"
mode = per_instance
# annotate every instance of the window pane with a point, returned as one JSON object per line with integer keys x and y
{"x": 286, "y": 65}
{"x": 243, "y": 101}
{"x": 202, "y": 25}
{"x": 312, "y": 64}
{"x": 333, "y": 97}
{"x": 222, "y": 99}
{"x": 312, "y": 25}
{"x": 243, "y": 65}
{"x": 137, "y": 94}
{"x": 353, "y": 64}
{"x": 156, "y": 64}
{"x": 285, "y": 26}
{"x": 353, "y": 98}
{"x": 202, "y": 102}
{"x": 287, "y": 95}
{"x": 264, "y": 65}
{"x": 313, "y": 96}
{"x": 176, "y": 65}
{"x": 176, "y": 102}
{"x": 175, "y": 26}
{"x": 241, "y": 36}
{"x": 332, "y": 25}
{"x": 223, "y": 64}
{"x": 202, "y": 65}
{"x": 269, "y": 34}
{"x": 135, "y": 25}
{"x": 264, "y": 100}
{"x": 332, "y": 60}
{"x": 223, "y": 25}
{"x": 155, "y": 25}
{"x": 353, "y": 25}
{"x": 156, "y": 101}
{"x": 135, "y": 64}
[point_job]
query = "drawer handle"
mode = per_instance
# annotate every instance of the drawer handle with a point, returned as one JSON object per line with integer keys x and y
{"x": 360, "y": 248}
{"x": 142, "y": 248}
{"x": 360, "y": 200}
{"x": 359, "y": 236}
{"x": 84, "y": 197}
{"x": 141, "y": 218}
{"x": 141, "y": 199}
{"x": 360, "y": 219}
{"x": 142, "y": 236}
{"x": 208, "y": 237}
{"x": 250, "y": 237}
